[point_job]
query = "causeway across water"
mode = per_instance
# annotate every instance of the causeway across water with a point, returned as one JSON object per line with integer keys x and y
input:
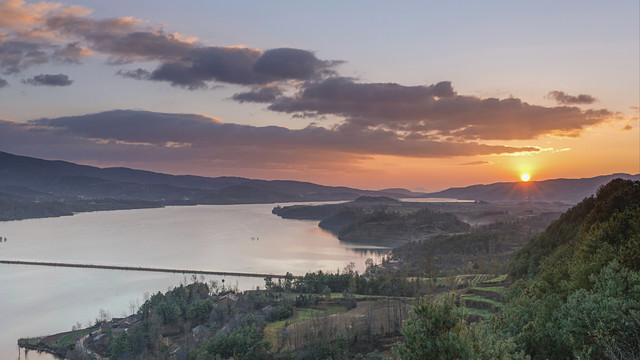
{"x": 140, "y": 268}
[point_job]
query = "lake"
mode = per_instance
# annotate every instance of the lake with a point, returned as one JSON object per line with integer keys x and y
{"x": 236, "y": 238}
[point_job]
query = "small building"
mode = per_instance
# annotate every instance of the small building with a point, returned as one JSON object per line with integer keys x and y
{"x": 200, "y": 332}
{"x": 228, "y": 299}
{"x": 130, "y": 320}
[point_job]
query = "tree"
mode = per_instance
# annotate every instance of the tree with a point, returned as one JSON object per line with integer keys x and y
{"x": 439, "y": 331}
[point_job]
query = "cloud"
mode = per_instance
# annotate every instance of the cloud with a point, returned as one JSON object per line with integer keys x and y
{"x": 289, "y": 80}
{"x": 3, "y": 83}
{"x": 436, "y": 110}
{"x": 266, "y": 94}
{"x": 71, "y": 53}
{"x": 184, "y": 137}
{"x": 26, "y": 41}
{"x": 17, "y": 15}
{"x": 239, "y": 65}
{"x": 138, "y": 74}
{"x": 562, "y": 98}
{"x": 288, "y": 63}
{"x": 18, "y": 55}
{"x": 473, "y": 163}
{"x": 49, "y": 80}
{"x": 123, "y": 39}
{"x": 48, "y": 31}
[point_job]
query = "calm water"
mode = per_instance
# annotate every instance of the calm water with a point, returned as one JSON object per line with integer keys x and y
{"x": 239, "y": 238}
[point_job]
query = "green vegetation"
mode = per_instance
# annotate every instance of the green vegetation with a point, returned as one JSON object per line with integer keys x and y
{"x": 573, "y": 292}
{"x": 71, "y": 338}
{"x": 482, "y": 299}
{"x": 59, "y": 344}
{"x": 439, "y": 331}
{"x": 577, "y": 293}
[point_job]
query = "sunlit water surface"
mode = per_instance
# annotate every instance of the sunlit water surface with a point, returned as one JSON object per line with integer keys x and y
{"x": 235, "y": 238}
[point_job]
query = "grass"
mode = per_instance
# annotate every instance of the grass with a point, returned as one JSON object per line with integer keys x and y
{"x": 498, "y": 279}
{"x": 372, "y": 297}
{"x": 73, "y": 337}
{"x": 483, "y": 299}
{"x": 480, "y": 312}
{"x": 498, "y": 289}
{"x": 30, "y": 341}
{"x": 471, "y": 281}
{"x": 300, "y": 314}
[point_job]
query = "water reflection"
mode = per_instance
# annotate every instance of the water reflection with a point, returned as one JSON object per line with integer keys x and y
{"x": 371, "y": 253}
{"x": 37, "y": 301}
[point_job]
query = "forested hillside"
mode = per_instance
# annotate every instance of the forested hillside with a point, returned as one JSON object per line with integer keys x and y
{"x": 577, "y": 289}
{"x": 576, "y": 293}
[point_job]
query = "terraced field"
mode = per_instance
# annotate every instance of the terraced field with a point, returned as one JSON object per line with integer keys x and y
{"x": 484, "y": 297}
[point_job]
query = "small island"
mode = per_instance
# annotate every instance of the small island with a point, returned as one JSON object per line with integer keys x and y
{"x": 389, "y": 222}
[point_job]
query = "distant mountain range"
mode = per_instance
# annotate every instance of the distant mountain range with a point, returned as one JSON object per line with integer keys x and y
{"x": 27, "y": 178}
{"x": 36, "y": 180}
{"x": 569, "y": 191}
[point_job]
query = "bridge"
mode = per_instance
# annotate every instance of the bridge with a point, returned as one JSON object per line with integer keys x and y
{"x": 141, "y": 268}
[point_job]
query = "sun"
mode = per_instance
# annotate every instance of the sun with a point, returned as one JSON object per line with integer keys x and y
{"x": 525, "y": 177}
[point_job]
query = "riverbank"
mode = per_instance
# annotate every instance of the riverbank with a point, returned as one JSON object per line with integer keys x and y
{"x": 58, "y": 344}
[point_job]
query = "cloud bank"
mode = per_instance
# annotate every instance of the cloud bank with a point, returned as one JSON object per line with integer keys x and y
{"x": 161, "y": 137}
{"x": 433, "y": 110}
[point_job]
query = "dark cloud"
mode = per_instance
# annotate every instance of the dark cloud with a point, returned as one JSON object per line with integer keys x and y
{"x": 437, "y": 110}
{"x": 49, "y": 80}
{"x": 122, "y": 38}
{"x": 224, "y": 64}
{"x": 237, "y": 65}
{"x": 562, "y": 98}
{"x": 473, "y": 163}
{"x": 71, "y": 35}
{"x": 3, "y": 83}
{"x": 184, "y": 63}
{"x": 187, "y": 131}
{"x": 265, "y": 94}
{"x": 287, "y": 63}
{"x": 138, "y": 74}
{"x": 18, "y": 55}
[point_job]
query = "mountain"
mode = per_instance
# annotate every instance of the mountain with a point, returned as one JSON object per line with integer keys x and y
{"x": 562, "y": 190}
{"x": 30, "y": 178}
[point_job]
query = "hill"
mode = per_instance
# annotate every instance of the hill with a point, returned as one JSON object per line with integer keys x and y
{"x": 577, "y": 293}
{"x": 556, "y": 190}
{"x": 60, "y": 186}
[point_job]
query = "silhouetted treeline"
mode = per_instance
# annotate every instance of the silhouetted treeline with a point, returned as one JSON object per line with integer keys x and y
{"x": 12, "y": 209}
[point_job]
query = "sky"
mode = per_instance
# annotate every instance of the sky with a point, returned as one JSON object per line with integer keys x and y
{"x": 423, "y": 95}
